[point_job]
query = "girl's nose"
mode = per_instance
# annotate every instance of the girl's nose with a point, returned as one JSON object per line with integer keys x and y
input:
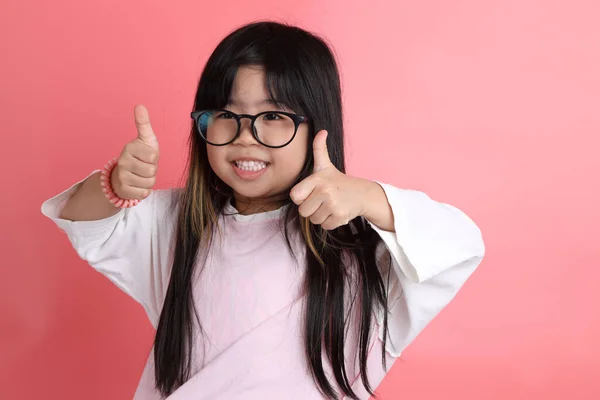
{"x": 245, "y": 137}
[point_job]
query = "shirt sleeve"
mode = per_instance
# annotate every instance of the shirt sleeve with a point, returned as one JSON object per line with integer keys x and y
{"x": 433, "y": 251}
{"x": 130, "y": 248}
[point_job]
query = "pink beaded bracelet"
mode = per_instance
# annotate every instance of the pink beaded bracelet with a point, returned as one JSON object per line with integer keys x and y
{"x": 108, "y": 190}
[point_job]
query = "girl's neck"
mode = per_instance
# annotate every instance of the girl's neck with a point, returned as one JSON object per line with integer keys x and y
{"x": 249, "y": 206}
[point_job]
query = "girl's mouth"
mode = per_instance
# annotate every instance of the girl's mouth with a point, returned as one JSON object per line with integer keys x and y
{"x": 250, "y": 170}
{"x": 251, "y": 166}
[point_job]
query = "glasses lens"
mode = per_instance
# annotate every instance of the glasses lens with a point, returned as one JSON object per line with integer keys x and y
{"x": 274, "y": 129}
{"x": 217, "y": 127}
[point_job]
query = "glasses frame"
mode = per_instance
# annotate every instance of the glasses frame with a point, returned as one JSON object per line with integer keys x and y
{"x": 298, "y": 119}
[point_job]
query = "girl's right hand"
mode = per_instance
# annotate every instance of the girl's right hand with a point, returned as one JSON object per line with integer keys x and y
{"x": 134, "y": 175}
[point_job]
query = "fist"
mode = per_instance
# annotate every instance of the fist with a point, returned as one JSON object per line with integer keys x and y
{"x": 329, "y": 197}
{"x": 134, "y": 175}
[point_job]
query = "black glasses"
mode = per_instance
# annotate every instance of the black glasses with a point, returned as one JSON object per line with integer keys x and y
{"x": 270, "y": 128}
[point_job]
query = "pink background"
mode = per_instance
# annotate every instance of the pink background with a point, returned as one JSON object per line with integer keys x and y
{"x": 490, "y": 105}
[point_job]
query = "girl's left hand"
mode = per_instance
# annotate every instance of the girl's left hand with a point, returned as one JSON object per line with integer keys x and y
{"x": 329, "y": 197}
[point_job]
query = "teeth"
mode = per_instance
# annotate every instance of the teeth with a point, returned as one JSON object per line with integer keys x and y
{"x": 250, "y": 165}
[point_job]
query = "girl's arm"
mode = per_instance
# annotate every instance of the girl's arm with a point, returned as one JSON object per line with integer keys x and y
{"x": 431, "y": 252}
{"x": 130, "y": 248}
{"x": 88, "y": 202}
{"x": 132, "y": 178}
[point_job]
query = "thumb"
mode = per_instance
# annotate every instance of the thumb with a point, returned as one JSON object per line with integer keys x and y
{"x": 144, "y": 129}
{"x": 320, "y": 152}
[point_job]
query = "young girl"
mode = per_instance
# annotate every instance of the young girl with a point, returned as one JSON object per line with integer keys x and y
{"x": 272, "y": 274}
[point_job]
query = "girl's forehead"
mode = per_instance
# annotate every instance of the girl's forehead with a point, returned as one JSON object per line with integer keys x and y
{"x": 250, "y": 93}
{"x": 250, "y": 80}
{"x": 249, "y": 88}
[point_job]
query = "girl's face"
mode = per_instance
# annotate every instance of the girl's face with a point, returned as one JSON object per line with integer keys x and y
{"x": 256, "y": 173}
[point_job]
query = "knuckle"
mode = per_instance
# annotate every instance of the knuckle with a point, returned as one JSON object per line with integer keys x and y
{"x": 129, "y": 147}
{"x": 122, "y": 167}
{"x": 295, "y": 196}
{"x": 121, "y": 161}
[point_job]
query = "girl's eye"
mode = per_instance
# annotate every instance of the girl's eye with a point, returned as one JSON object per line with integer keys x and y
{"x": 225, "y": 115}
{"x": 271, "y": 117}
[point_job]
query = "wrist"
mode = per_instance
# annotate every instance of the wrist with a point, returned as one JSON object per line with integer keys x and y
{"x": 376, "y": 208}
{"x": 106, "y": 179}
{"x": 370, "y": 192}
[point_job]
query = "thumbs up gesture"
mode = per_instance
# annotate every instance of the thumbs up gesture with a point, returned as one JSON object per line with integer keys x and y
{"x": 329, "y": 197}
{"x": 135, "y": 173}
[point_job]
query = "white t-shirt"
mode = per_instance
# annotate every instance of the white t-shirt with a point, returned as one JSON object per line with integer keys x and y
{"x": 248, "y": 294}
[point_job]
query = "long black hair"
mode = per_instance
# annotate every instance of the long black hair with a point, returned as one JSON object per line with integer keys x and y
{"x": 301, "y": 73}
